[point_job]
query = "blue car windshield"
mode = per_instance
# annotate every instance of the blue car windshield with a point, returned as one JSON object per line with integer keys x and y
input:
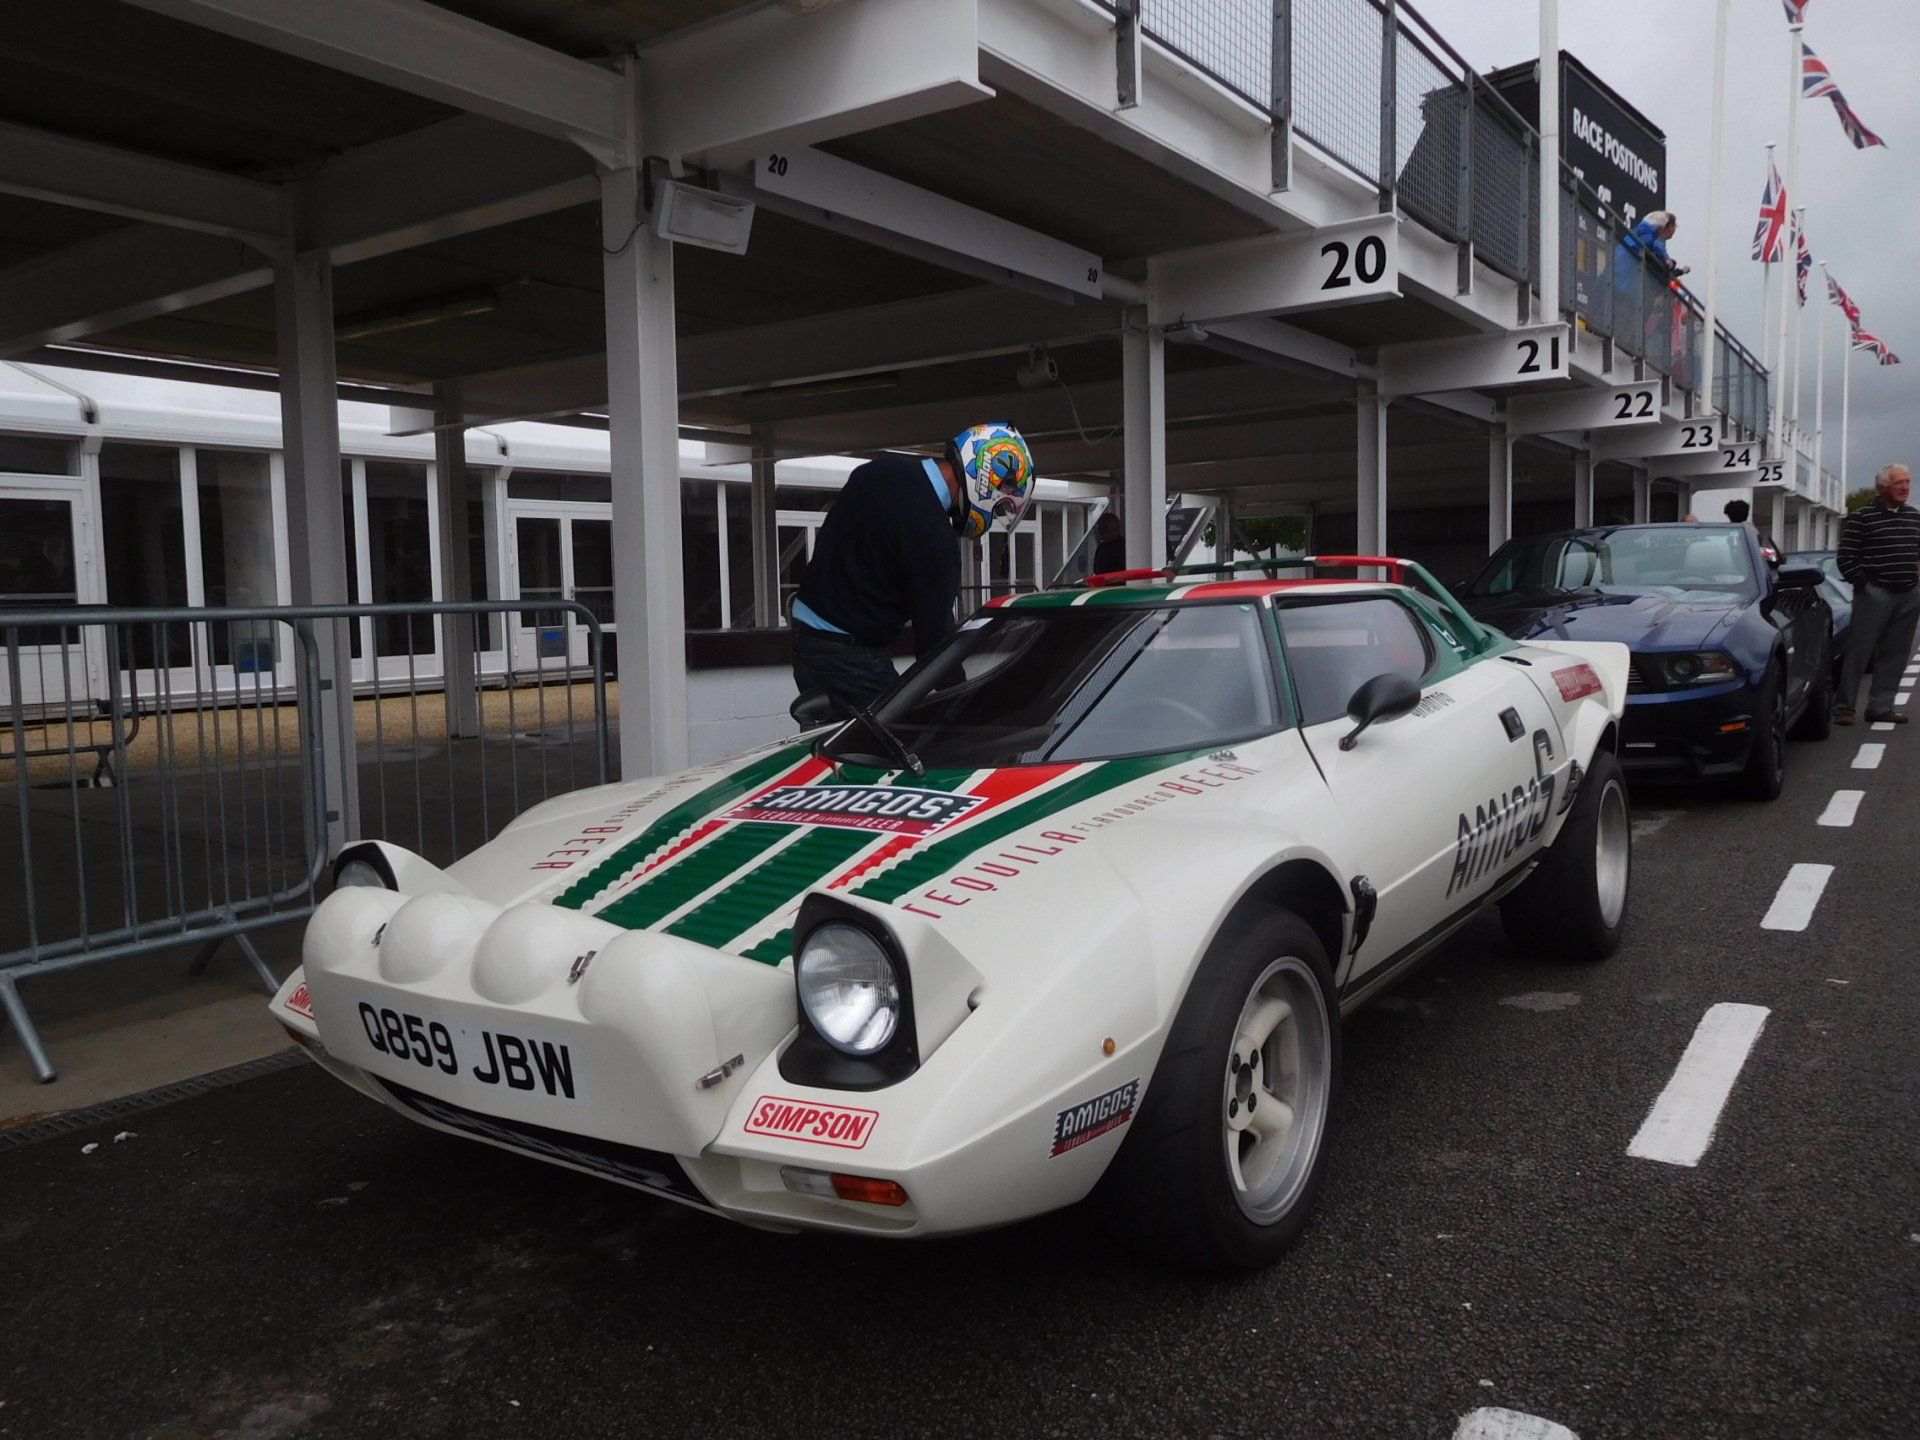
{"x": 1670, "y": 560}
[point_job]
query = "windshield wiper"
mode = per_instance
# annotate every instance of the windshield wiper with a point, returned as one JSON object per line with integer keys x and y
{"x": 895, "y": 747}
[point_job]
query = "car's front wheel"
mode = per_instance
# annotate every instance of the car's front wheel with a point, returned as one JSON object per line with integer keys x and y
{"x": 1227, "y": 1154}
{"x": 1816, "y": 721}
{"x": 1574, "y": 905}
{"x": 1766, "y": 773}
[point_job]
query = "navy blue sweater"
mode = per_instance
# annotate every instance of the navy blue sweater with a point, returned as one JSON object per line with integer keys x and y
{"x": 886, "y": 556}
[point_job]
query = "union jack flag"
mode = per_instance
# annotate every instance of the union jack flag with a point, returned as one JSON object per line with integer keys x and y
{"x": 1845, "y": 301}
{"x": 1802, "y": 262}
{"x": 1857, "y": 132}
{"x": 1796, "y": 10}
{"x": 1815, "y": 78}
{"x": 1875, "y": 347}
{"x": 1769, "y": 235}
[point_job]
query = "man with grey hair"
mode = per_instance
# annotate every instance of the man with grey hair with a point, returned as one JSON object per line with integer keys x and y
{"x": 1880, "y": 556}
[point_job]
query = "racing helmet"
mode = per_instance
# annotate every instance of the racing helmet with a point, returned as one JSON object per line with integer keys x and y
{"x": 993, "y": 472}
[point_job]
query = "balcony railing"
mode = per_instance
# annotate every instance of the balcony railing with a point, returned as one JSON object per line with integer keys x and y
{"x": 1374, "y": 87}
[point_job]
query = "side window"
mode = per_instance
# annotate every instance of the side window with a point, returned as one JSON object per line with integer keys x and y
{"x": 1334, "y": 648}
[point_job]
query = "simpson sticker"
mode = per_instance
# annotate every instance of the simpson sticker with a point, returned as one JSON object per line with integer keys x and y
{"x": 840, "y": 1126}
{"x": 301, "y": 1001}
{"x": 1090, "y": 1119}
{"x": 1576, "y": 681}
{"x": 892, "y": 809}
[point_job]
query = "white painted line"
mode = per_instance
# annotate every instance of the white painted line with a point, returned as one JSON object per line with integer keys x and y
{"x": 1492, "y": 1423}
{"x": 1883, "y": 724}
{"x": 1903, "y": 697}
{"x": 1793, "y": 906}
{"x": 1679, "y": 1128}
{"x": 1869, "y": 756}
{"x": 1841, "y": 809}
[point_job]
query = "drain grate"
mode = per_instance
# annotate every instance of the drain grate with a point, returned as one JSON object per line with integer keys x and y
{"x": 68, "y": 1121}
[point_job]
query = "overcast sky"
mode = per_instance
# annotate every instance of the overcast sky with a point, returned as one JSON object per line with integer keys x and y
{"x": 1863, "y": 206}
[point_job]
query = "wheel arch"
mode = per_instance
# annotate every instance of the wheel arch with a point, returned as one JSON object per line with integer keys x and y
{"x": 1311, "y": 891}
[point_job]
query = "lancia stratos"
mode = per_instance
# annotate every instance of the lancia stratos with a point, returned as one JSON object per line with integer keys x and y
{"x": 1073, "y": 914}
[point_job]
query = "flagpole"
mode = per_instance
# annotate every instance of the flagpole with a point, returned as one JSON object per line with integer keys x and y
{"x": 1786, "y": 260}
{"x": 1796, "y": 314}
{"x": 1820, "y": 378}
{"x": 1713, "y": 204}
{"x": 1846, "y": 384}
{"x": 1766, "y": 308}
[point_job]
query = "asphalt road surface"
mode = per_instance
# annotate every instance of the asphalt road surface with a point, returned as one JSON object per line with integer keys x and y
{"x": 283, "y": 1258}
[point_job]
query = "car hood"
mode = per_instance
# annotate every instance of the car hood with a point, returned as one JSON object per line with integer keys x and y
{"x": 723, "y": 855}
{"x": 1676, "y": 621}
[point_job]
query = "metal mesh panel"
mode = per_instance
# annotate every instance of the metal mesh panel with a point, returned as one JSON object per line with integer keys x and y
{"x": 1430, "y": 120}
{"x": 1231, "y": 40}
{"x": 1502, "y": 206}
{"x": 1336, "y": 80}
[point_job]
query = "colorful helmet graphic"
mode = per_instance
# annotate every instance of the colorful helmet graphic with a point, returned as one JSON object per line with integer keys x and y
{"x": 995, "y": 471}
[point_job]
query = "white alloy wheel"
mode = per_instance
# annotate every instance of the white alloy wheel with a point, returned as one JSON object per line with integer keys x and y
{"x": 1276, "y": 1091}
{"x": 1612, "y": 852}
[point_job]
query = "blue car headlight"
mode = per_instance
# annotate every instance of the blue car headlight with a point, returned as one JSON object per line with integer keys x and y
{"x": 1679, "y": 670}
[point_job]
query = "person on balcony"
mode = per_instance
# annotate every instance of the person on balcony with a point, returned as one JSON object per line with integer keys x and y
{"x": 1646, "y": 282}
{"x": 885, "y": 558}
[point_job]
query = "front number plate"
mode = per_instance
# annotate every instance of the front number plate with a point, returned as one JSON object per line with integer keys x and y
{"x": 496, "y": 1058}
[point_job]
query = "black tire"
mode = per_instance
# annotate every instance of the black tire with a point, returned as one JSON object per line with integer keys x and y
{"x": 1766, "y": 772}
{"x": 1573, "y": 906}
{"x": 1816, "y": 721}
{"x": 1173, "y": 1190}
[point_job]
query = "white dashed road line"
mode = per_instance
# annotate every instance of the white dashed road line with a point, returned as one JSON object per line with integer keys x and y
{"x": 1869, "y": 756}
{"x": 1492, "y": 1423}
{"x": 1883, "y": 724}
{"x": 1680, "y": 1126}
{"x": 1793, "y": 905}
{"x": 1841, "y": 809}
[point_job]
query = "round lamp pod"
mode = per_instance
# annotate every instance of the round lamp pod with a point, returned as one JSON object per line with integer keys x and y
{"x": 848, "y": 988}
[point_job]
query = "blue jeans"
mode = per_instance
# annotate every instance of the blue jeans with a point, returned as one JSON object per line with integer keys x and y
{"x": 854, "y": 675}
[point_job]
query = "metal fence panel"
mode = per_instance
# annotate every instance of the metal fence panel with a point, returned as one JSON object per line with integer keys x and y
{"x": 158, "y": 805}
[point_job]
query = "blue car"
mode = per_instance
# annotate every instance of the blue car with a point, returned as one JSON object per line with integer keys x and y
{"x": 1731, "y": 653}
{"x": 1835, "y": 590}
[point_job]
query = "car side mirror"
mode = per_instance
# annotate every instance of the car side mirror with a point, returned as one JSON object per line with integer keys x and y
{"x": 1801, "y": 577}
{"x": 1384, "y": 697}
{"x": 811, "y": 709}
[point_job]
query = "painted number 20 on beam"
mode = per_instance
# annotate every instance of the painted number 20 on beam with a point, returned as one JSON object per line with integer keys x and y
{"x": 1366, "y": 261}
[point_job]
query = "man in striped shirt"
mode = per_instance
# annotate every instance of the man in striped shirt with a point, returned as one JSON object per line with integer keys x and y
{"x": 1880, "y": 556}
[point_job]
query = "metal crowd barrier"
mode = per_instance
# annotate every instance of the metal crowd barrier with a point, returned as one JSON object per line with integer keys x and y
{"x": 169, "y": 768}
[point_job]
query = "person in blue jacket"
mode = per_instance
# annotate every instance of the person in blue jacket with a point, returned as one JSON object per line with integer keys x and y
{"x": 1643, "y": 275}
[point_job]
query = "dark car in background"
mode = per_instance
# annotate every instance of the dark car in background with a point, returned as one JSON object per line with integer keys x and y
{"x": 1835, "y": 590}
{"x": 1730, "y": 653}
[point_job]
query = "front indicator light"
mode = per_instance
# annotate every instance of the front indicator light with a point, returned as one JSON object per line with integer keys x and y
{"x": 831, "y": 1185}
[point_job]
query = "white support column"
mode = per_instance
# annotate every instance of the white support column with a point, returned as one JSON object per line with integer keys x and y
{"x": 1642, "y": 496}
{"x": 766, "y": 539}
{"x": 317, "y": 560}
{"x": 1370, "y": 471}
{"x": 454, "y": 489}
{"x": 1582, "y": 488}
{"x": 1143, "y": 355}
{"x": 643, "y": 404}
{"x": 1777, "y": 520}
{"x": 1499, "y": 487}
{"x": 1223, "y": 531}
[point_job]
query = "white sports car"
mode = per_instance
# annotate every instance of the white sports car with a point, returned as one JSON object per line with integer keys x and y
{"x": 1075, "y": 912}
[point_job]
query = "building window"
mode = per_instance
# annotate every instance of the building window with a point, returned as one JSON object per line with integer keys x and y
{"x": 399, "y": 556}
{"x": 236, "y": 540}
{"x": 144, "y": 534}
{"x": 701, "y": 555}
{"x": 575, "y": 489}
{"x": 38, "y": 455}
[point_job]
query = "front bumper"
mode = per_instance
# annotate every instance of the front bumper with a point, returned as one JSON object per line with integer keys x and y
{"x": 657, "y": 1067}
{"x": 1690, "y": 735}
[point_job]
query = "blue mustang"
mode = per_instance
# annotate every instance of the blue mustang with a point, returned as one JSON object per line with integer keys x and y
{"x": 1729, "y": 652}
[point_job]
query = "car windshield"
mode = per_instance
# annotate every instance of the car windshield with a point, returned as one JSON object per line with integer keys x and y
{"x": 1654, "y": 559}
{"x": 1021, "y": 686}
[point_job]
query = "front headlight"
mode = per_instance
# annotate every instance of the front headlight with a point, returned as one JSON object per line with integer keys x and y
{"x": 848, "y": 988}
{"x": 1701, "y": 669}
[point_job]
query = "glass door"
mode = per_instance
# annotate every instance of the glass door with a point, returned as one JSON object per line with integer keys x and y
{"x": 41, "y": 568}
{"x": 560, "y": 554}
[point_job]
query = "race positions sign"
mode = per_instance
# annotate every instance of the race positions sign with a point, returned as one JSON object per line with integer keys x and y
{"x": 1608, "y": 143}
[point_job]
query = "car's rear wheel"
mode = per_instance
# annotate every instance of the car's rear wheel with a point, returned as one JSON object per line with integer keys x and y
{"x": 1225, "y": 1159}
{"x": 1816, "y": 721}
{"x": 1574, "y": 905}
{"x": 1766, "y": 773}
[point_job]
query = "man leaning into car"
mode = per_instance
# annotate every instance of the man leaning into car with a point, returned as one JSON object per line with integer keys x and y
{"x": 1880, "y": 557}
